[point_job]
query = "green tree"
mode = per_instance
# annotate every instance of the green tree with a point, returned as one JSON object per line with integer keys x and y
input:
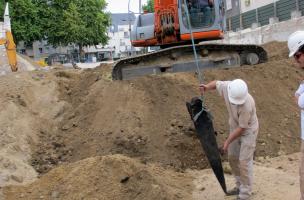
{"x": 2, "y": 4}
{"x": 81, "y": 22}
{"x": 149, "y": 6}
{"x": 25, "y": 20}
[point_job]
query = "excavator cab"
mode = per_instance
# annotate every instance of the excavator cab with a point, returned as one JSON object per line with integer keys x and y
{"x": 207, "y": 19}
{"x": 168, "y": 25}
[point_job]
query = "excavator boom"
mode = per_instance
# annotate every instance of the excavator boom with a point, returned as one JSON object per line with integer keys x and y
{"x": 9, "y": 43}
{"x": 11, "y": 51}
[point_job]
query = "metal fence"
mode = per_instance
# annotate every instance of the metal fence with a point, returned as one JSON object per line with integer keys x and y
{"x": 280, "y": 10}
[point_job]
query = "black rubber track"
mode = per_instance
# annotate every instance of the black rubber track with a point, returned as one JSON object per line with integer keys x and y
{"x": 132, "y": 61}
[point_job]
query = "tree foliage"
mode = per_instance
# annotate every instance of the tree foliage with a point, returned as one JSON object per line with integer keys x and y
{"x": 82, "y": 22}
{"x": 27, "y": 24}
{"x": 2, "y": 3}
{"x": 60, "y": 22}
{"x": 149, "y": 7}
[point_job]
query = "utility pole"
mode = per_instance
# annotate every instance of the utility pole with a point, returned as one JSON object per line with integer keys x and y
{"x": 129, "y": 24}
{"x": 297, "y": 5}
{"x": 240, "y": 10}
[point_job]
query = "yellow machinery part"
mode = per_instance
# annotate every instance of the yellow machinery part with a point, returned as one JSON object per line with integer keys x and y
{"x": 11, "y": 51}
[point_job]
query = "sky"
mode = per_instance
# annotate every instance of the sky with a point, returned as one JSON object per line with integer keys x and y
{"x": 121, "y": 6}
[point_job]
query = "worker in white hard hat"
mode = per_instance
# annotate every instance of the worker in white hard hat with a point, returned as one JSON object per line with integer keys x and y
{"x": 296, "y": 50}
{"x": 244, "y": 125}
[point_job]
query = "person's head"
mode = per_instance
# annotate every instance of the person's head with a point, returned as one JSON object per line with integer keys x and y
{"x": 237, "y": 92}
{"x": 296, "y": 47}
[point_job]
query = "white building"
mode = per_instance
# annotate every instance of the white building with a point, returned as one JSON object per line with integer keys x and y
{"x": 119, "y": 33}
{"x": 235, "y": 7}
{"x": 247, "y": 5}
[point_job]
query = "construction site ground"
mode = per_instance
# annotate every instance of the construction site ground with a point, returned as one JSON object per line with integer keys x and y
{"x": 76, "y": 134}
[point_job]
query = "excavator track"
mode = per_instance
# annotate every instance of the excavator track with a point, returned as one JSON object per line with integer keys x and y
{"x": 181, "y": 59}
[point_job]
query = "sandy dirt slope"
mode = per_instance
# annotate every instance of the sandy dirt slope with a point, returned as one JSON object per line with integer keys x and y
{"x": 274, "y": 179}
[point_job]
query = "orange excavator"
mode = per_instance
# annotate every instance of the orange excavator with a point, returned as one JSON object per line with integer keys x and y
{"x": 172, "y": 27}
{"x": 8, "y": 41}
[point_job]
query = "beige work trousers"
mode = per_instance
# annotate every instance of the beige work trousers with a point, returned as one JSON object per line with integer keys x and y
{"x": 302, "y": 171}
{"x": 240, "y": 156}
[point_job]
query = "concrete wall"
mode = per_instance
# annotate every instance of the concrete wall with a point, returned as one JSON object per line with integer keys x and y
{"x": 260, "y": 35}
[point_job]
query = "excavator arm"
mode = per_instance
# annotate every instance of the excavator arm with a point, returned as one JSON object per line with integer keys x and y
{"x": 10, "y": 50}
{"x": 8, "y": 41}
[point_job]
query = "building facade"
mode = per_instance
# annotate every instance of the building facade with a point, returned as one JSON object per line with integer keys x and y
{"x": 235, "y": 7}
{"x": 119, "y": 33}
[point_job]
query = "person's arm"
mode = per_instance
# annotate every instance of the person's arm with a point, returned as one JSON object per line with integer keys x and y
{"x": 232, "y": 136}
{"x": 206, "y": 87}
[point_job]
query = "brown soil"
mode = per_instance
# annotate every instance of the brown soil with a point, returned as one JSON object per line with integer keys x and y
{"x": 108, "y": 177}
{"x": 78, "y": 117}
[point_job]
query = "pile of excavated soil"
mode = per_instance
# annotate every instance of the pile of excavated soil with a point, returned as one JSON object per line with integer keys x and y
{"x": 108, "y": 177}
{"x": 72, "y": 115}
{"x": 29, "y": 104}
{"x": 147, "y": 118}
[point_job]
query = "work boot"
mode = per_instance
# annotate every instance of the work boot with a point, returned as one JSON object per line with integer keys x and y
{"x": 234, "y": 191}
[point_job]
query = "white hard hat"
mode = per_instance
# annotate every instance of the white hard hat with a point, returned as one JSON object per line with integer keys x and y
{"x": 237, "y": 91}
{"x": 295, "y": 41}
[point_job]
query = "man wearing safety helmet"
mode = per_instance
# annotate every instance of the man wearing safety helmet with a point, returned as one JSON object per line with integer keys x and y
{"x": 244, "y": 126}
{"x": 296, "y": 50}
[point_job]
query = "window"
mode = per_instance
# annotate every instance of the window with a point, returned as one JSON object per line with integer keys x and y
{"x": 40, "y": 50}
{"x": 126, "y": 34}
{"x": 122, "y": 42}
{"x": 201, "y": 15}
{"x": 228, "y": 4}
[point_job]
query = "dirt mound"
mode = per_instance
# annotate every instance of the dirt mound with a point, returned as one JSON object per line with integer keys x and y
{"x": 115, "y": 177}
{"x": 29, "y": 105}
{"x": 276, "y": 50}
{"x": 147, "y": 118}
{"x": 144, "y": 118}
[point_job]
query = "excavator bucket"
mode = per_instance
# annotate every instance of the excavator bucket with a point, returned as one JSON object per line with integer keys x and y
{"x": 205, "y": 132}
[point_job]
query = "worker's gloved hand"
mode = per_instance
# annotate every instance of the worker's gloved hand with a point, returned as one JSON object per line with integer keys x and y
{"x": 203, "y": 88}
{"x": 221, "y": 151}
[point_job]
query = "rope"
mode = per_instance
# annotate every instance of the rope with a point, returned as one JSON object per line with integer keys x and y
{"x": 200, "y": 75}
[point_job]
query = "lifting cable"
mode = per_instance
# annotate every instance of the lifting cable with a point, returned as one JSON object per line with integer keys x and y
{"x": 200, "y": 74}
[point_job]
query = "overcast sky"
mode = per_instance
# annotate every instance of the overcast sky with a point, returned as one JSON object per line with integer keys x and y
{"x": 121, "y": 6}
